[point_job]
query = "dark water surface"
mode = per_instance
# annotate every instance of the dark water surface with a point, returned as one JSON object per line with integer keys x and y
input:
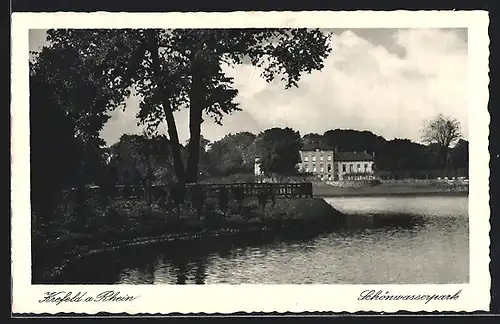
{"x": 412, "y": 240}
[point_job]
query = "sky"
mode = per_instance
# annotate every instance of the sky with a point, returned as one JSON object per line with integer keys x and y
{"x": 387, "y": 81}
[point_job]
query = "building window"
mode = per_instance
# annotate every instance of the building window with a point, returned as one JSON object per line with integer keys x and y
{"x": 329, "y": 167}
{"x": 306, "y": 158}
{"x": 359, "y": 167}
{"x": 321, "y": 157}
{"x": 351, "y": 167}
{"x": 314, "y": 158}
{"x": 329, "y": 177}
{"x": 321, "y": 169}
{"x": 366, "y": 167}
{"x": 307, "y": 169}
{"x": 314, "y": 168}
{"x": 343, "y": 168}
{"x": 329, "y": 158}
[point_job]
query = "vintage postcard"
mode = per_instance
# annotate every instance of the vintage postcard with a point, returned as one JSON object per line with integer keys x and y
{"x": 250, "y": 162}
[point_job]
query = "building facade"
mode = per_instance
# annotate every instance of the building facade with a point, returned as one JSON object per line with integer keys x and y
{"x": 318, "y": 161}
{"x": 330, "y": 165}
{"x": 354, "y": 166}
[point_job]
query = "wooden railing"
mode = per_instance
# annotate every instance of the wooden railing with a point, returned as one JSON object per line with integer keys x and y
{"x": 236, "y": 190}
{"x": 285, "y": 190}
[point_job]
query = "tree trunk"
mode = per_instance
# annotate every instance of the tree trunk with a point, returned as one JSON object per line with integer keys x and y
{"x": 194, "y": 145}
{"x": 175, "y": 146}
{"x": 195, "y": 120}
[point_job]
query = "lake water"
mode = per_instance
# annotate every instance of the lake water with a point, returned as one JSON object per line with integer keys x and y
{"x": 398, "y": 240}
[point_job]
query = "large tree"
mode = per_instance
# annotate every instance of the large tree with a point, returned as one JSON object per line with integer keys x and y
{"x": 84, "y": 94}
{"x": 172, "y": 69}
{"x": 141, "y": 158}
{"x": 353, "y": 140}
{"x": 459, "y": 155}
{"x": 234, "y": 153}
{"x": 444, "y": 132}
{"x": 69, "y": 102}
{"x": 279, "y": 151}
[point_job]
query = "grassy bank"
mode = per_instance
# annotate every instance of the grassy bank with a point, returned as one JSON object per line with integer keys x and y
{"x": 97, "y": 226}
{"x": 393, "y": 188}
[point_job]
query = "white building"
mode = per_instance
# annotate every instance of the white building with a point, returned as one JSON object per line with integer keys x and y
{"x": 328, "y": 164}
{"x": 256, "y": 167}
{"x": 354, "y": 166}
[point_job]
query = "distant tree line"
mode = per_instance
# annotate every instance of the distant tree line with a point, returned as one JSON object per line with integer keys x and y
{"x": 278, "y": 150}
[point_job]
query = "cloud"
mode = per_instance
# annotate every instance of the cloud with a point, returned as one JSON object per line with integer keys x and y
{"x": 365, "y": 86}
{"x": 387, "y": 81}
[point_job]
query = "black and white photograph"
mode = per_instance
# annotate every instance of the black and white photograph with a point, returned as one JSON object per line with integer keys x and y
{"x": 251, "y": 156}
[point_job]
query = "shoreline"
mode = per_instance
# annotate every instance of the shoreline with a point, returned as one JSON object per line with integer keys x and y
{"x": 313, "y": 215}
{"x": 394, "y": 194}
{"x": 400, "y": 188}
{"x": 59, "y": 271}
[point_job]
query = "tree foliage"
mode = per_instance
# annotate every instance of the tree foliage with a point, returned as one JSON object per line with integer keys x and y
{"x": 234, "y": 153}
{"x": 390, "y": 155}
{"x": 459, "y": 156}
{"x": 315, "y": 140}
{"x": 173, "y": 69}
{"x": 54, "y": 151}
{"x": 442, "y": 131}
{"x": 137, "y": 158}
{"x": 279, "y": 151}
{"x": 68, "y": 108}
{"x": 79, "y": 87}
{"x": 350, "y": 140}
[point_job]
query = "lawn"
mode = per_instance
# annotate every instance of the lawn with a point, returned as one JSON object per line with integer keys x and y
{"x": 393, "y": 188}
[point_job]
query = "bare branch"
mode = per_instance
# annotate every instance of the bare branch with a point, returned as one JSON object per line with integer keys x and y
{"x": 441, "y": 130}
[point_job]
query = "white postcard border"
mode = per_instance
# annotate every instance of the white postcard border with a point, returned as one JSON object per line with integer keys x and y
{"x": 163, "y": 299}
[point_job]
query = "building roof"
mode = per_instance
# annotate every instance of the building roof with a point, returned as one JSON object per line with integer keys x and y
{"x": 353, "y": 156}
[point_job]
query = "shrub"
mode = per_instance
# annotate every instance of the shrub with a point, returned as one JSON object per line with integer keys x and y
{"x": 262, "y": 198}
{"x": 223, "y": 199}
{"x": 239, "y": 195}
{"x": 198, "y": 197}
{"x": 178, "y": 194}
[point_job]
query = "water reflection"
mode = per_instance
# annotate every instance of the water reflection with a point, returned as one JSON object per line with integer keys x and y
{"x": 376, "y": 245}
